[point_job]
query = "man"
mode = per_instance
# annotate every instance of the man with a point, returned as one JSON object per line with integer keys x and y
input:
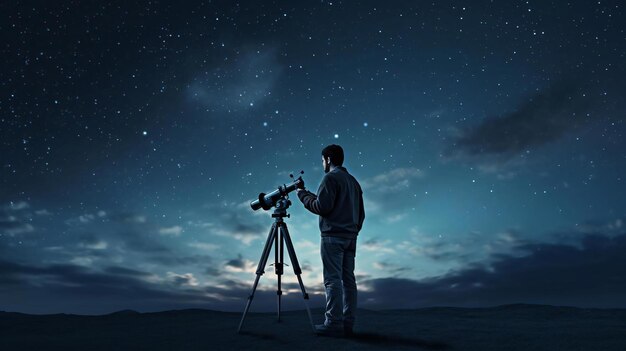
{"x": 339, "y": 204}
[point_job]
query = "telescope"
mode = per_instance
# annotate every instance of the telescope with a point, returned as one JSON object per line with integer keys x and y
{"x": 278, "y": 237}
{"x": 267, "y": 201}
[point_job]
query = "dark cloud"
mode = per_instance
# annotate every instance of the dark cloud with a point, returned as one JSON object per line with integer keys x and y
{"x": 137, "y": 234}
{"x": 181, "y": 280}
{"x": 249, "y": 228}
{"x": 438, "y": 251}
{"x": 174, "y": 259}
{"x": 540, "y": 119}
{"x": 390, "y": 268}
{"x": 465, "y": 248}
{"x": 10, "y": 223}
{"x": 130, "y": 233}
{"x": 237, "y": 262}
{"x": 115, "y": 270}
{"x": 592, "y": 275}
{"x": 143, "y": 244}
{"x": 212, "y": 271}
{"x": 87, "y": 239}
{"x": 79, "y": 289}
{"x": 127, "y": 217}
{"x": 241, "y": 225}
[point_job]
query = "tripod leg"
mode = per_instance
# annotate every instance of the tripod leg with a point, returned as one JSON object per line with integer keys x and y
{"x": 282, "y": 267}
{"x": 260, "y": 270}
{"x": 297, "y": 270}
{"x": 278, "y": 264}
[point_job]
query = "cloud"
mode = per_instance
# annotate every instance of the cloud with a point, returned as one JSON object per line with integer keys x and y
{"x": 464, "y": 248}
{"x": 236, "y": 222}
{"x": 85, "y": 218}
{"x": 82, "y": 260}
{"x": 613, "y": 227}
{"x": 126, "y": 217}
{"x": 240, "y": 264}
{"x": 96, "y": 245}
{"x": 241, "y": 232}
{"x": 170, "y": 258}
{"x": 541, "y": 119}
{"x": 390, "y": 268}
{"x": 115, "y": 270}
{"x": 397, "y": 184}
{"x": 12, "y": 226}
{"x": 204, "y": 246}
{"x": 186, "y": 279}
{"x": 502, "y": 144}
{"x": 438, "y": 251}
{"x": 240, "y": 83}
{"x": 393, "y": 218}
{"x": 128, "y": 237}
{"x": 591, "y": 275}
{"x": 171, "y": 231}
{"x": 70, "y": 288}
{"x": 510, "y": 237}
{"x": 392, "y": 181}
{"x": 16, "y": 206}
{"x": 139, "y": 241}
{"x": 374, "y": 245}
{"x": 15, "y": 221}
{"x": 133, "y": 232}
{"x": 212, "y": 271}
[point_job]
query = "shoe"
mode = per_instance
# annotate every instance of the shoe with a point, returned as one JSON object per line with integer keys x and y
{"x": 323, "y": 329}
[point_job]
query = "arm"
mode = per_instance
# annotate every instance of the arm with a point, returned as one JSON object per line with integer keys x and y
{"x": 322, "y": 203}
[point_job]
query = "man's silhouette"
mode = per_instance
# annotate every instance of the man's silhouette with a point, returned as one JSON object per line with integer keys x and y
{"x": 339, "y": 204}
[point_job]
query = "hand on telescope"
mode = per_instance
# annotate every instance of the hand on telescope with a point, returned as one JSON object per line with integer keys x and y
{"x": 300, "y": 186}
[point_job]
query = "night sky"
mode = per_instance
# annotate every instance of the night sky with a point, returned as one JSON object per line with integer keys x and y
{"x": 488, "y": 138}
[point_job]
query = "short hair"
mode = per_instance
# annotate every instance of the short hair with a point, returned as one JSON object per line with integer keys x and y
{"x": 335, "y": 152}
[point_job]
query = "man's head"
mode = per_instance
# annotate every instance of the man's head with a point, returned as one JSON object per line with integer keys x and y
{"x": 332, "y": 155}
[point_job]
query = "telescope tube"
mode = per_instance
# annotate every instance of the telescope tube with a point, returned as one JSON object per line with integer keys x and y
{"x": 267, "y": 201}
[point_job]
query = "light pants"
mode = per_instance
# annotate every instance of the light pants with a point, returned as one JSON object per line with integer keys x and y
{"x": 338, "y": 260}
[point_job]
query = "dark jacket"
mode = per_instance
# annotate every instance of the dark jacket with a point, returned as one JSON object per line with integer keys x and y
{"x": 339, "y": 203}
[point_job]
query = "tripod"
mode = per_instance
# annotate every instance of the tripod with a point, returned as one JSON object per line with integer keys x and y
{"x": 278, "y": 236}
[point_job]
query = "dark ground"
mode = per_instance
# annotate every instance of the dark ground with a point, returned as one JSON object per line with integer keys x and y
{"x": 510, "y": 327}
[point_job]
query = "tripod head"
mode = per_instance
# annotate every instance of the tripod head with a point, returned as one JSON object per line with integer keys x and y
{"x": 281, "y": 208}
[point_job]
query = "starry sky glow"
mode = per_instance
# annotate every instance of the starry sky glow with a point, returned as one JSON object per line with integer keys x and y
{"x": 488, "y": 137}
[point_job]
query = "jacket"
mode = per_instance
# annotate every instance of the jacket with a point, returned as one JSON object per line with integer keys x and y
{"x": 339, "y": 203}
